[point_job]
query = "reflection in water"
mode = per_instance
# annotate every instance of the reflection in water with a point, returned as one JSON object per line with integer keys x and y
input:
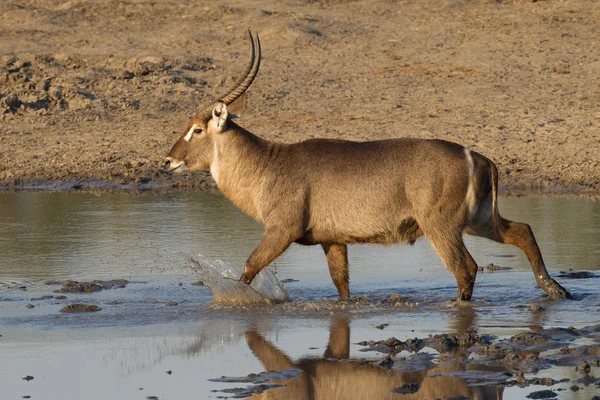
{"x": 463, "y": 320}
{"x": 330, "y": 378}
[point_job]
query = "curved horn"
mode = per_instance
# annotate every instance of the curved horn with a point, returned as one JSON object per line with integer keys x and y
{"x": 243, "y": 86}
{"x": 242, "y": 83}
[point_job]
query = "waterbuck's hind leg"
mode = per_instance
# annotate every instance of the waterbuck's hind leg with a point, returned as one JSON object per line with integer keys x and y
{"x": 337, "y": 260}
{"x": 488, "y": 223}
{"x": 273, "y": 243}
{"x": 521, "y": 235}
{"x": 458, "y": 260}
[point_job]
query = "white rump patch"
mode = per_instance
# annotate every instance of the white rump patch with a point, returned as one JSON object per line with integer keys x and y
{"x": 470, "y": 197}
{"x": 188, "y": 135}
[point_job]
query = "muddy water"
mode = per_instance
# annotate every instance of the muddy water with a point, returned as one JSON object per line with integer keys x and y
{"x": 125, "y": 350}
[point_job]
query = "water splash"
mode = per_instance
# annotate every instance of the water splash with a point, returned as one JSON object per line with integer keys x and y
{"x": 222, "y": 280}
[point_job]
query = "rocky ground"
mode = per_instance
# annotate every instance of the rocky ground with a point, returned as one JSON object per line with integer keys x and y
{"x": 98, "y": 90}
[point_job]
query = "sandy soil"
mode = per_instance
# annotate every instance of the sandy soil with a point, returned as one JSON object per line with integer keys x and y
{"x": 100, "y": 89}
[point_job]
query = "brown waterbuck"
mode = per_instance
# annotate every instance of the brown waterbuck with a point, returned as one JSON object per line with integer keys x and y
{"x": 337, "y": 192}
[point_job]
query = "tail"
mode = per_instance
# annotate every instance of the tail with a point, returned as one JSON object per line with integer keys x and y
{"x": 496, "y": 218}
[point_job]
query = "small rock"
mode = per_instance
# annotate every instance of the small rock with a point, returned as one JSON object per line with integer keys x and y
{"x": 169, "y": 372}
{"x": 30, "y": 305}
{"x": 43, "y": 85}
{"x": 127, "y": 75}
{"x": 536, "y": 308}
{"x": 13, "y": 101}
{"x": 171, "y": 303}
{"x": 61, "y": 297}
{"x": 382, "y": 326}
{"x": 28, "y": 378}
{"x": 574, "y": 388}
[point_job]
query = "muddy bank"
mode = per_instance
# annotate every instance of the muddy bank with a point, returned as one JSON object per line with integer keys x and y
{"x": 85, "y": 98}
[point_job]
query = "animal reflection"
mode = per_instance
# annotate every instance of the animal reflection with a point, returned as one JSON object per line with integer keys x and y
{"x": 329, "y": 378}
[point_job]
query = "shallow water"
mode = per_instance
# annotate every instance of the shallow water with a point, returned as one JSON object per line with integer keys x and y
{"x": 148, "y": 239}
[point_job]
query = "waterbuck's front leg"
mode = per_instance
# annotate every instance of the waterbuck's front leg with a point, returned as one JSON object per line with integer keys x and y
{"x": 274, "y": 242}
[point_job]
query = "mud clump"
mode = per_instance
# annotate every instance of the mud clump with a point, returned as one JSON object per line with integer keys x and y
{"x": 529, "y": 338}
{"x": 584, "y": 368}
{"x": 524, "y": 361}
{"x": 492, "y": 351}
{"x": 542, "y": 394}
{"x": 90, "y": 287}
{"x": 577, "y": 275}
{"x": 248, "y": 391}
{"x": 443, "y": 343}
{"x": 573, "y": 356}
{"x": 493, "y": 268}
{"x": 47, "y": 297}
{"x": 79, "y": 308}
{"x": 449, "y": 342}
{"x": 387, "y": 362}
{"x": 547, "y": 337}
{"x": 407, "y": 388}
{"x": 394, "y": 346}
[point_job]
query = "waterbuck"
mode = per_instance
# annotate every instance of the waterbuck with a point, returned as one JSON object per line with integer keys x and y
{"x": 338, "y": 192}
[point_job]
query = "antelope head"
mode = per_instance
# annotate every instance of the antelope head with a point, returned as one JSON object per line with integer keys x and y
{"x": 194, "y": 149}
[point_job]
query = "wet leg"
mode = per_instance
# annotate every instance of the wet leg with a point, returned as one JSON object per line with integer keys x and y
{"x": 458, "y": 260}
{"x": 273, "y": 243}
{"x": 337, "y": 260}
{"x": 521, "y": 235}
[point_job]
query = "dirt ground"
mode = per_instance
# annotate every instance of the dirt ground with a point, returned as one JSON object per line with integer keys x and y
{"x": 99, "y": 90}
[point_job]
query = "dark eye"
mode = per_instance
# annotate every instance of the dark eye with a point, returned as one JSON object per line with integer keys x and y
{"x": 198, "y": 131}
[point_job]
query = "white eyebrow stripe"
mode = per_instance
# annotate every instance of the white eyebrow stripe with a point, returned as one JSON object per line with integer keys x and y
{"x": 188, "y": 135}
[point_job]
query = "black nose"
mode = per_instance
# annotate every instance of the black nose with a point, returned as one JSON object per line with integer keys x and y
{"x": 166, "y": 163}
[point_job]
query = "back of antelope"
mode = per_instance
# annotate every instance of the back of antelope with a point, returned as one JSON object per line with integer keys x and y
{"x": 337, "y": 192}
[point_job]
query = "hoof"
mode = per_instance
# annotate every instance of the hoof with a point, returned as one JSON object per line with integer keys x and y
{"x": 245, "y": 279}
{"x": 556, "y": 291}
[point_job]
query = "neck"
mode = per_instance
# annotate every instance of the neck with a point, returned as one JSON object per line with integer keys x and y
{"x": 240, "y": 163}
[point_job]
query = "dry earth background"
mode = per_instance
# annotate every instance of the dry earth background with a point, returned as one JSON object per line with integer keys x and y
{"x": 100, "y": 89}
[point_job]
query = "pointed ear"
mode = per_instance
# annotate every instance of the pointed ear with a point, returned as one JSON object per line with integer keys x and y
{"x": 238, "y": 107}
{"x": 219, "y": 116}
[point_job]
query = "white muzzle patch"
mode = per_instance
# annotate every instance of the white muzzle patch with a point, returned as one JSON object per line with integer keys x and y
{"x": 176, "y": 165}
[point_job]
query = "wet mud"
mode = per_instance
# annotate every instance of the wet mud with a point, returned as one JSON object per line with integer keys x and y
{"x": 422, "y": 367}
{"x": 80, "y": 308}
